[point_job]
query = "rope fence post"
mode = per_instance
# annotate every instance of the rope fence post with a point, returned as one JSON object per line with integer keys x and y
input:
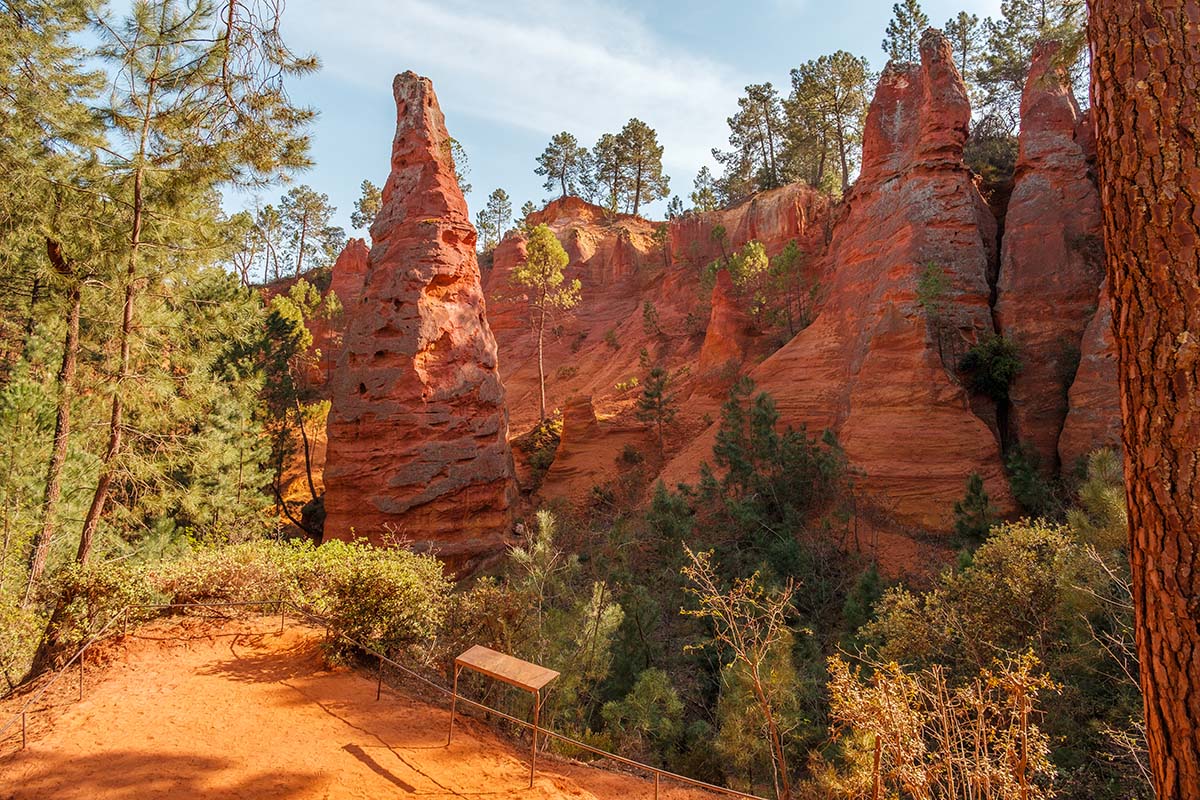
{"x": 656, "y": 777}
{"x": 453, "y": 703}
{"x": 24, "y": 735}
{"x": 537, "y": 708}
{"x": 282, "y": 609}
{"x": 82, "y": 656}
{"x": 379, "y": 685}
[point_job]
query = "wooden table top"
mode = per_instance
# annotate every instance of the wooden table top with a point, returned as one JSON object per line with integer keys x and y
{"x": 513, "y": 671}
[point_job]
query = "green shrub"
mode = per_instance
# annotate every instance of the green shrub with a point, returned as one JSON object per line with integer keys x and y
{"x": 610, "y": 339}
{"x": 991, "y": 365}
{"x": 391, "y": 598}
{"x": 1029, "y": 486}
{"x": 541, "y": 444}
{"x": 974, "y": 515}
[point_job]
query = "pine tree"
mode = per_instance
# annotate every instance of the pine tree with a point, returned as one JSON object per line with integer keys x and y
{"x": 902, "y": 43}
{"x": 966, "y": 37}
{"x": 642, "y": 161}
{"x": 198, "y": 100}
{"x": 657, "y": 405}
{"x": 974, "y": 515}
{"x": 564, "y": 164}
{"x": 1145, "y": 75}
{"x": 1010, "y": 41}
{"x": 609, "y": 170}
{"x": 704, "y": 191}
{"x": 367, "y": 206}
{"x": 756, "y": 133}
{"x": 547, "y": 291}
{"x": 306, "y": 219}
{"x": 493, "y": 220}
{"x": 827, "y": 107}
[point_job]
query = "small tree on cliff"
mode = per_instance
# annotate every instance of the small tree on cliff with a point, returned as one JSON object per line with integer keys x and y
{"x": 367, "y": 206}
{"x": 547, "y": 291}
{"x": 642, "y": 159}
{"x": 902, "y": 42}
{"x": 564, "y": 164}
{"x": 492, "y": 219}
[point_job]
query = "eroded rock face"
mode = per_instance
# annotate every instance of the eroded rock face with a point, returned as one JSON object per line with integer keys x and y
{"x": 1094, "y": 418}
{"x": 725, "y": 338}
{"x": 418, "y": 428}
{"x": 774, "y": 217}
{"x": 1052, "y": 259}
{"x": 350, "y": 272}
{"x": 872, "y": 366}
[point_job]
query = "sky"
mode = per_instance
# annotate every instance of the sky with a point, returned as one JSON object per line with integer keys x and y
{"x": 511, "y": 73}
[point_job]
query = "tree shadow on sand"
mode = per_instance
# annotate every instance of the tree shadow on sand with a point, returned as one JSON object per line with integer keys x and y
{"x": 136, "y": 775}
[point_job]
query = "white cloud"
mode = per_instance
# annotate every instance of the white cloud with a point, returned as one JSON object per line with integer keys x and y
{"x": 542, "y": 65}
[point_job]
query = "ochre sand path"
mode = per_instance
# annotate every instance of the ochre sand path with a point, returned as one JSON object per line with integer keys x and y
{"x": 198, "y": 709}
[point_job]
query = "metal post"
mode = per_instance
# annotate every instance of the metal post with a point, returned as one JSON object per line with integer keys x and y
{"x": 282, "y": 608}
{"x": 125, "y": 622}
{"x": 82, "y": 654}
{"x": 453, "y": 703}
{"x": 379, "y": 686}
{"x": 656, "y": 776}
{"x": 537, "y": 707}
{"x": 24, "y": 737}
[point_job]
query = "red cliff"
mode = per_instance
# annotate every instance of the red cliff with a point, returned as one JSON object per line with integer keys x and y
{"x": 874, "y": 366}
{"x": 418, "y": 428}
{"x": 1052, "y": 261}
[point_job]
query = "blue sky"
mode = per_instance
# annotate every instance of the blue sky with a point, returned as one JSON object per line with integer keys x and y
{"x": 511, "y": 73}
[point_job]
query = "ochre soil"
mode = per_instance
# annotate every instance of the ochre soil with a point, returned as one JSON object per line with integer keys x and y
{"x": 233, "y": 709}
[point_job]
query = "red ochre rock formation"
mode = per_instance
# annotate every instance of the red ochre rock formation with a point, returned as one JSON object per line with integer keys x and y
{"x": 1094, "y": 418}
{"x": 774, "y": 217}
{"x": 1051, "y": 263}
{"x": 588, "y": 451}
{"x": 872, "y": 367}
{"x": 350, "y": 272}
{"x": 418, "y": 428}
{"x": 726, "y": 338}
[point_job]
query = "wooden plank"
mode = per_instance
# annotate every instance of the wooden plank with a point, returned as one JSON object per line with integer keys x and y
{"x": 513, "y": 671}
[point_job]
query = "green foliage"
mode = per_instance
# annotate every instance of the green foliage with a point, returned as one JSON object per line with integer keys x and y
{"x": 1101, "y": 520}
{"x": 540, "y": 445}
{"x": 311, "y": 241}
{"x": 1032, "y": 490}
{"x": 648, "y": 720}
{"x": 493, "y": 220}
{"x": 610, "y": 339}
{"x": 657, "y": 404}
{"x": 825, "y": 114}
{"x": 773, "y": 480}
{"x": 627, "y": 167}
{"x": 388, "y": 597}
{"x": 564, "y": 164}
{"x": 756, "y": 135}
{"x": 650, "y": 319}
{"x": 903, "y": 40}
{"x": 704, "y": 191}
{"x": 991, "y": 365}
{"x": 367, "y": 206}
{"x": 974, "y": 515}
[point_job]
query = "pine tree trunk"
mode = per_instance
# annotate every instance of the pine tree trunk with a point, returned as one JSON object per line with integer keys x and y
{"x": 541, "y": 367}
{"x": 1146, "y": 87}
{"x": 62, "y": 432}
{"x": 116, "y": 419}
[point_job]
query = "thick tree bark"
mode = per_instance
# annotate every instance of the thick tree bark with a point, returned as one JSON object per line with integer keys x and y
{"x": 1146, "y": 96}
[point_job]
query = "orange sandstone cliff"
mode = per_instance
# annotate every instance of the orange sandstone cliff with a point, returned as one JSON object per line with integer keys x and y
{"x": 418, "y": 429}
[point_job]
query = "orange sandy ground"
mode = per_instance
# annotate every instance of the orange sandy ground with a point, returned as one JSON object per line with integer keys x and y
{"x": 222, "y": 710}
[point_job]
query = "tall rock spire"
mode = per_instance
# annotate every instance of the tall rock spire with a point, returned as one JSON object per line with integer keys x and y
{"x": 1052, "y": 259}
{"x": 418, "y": 429}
